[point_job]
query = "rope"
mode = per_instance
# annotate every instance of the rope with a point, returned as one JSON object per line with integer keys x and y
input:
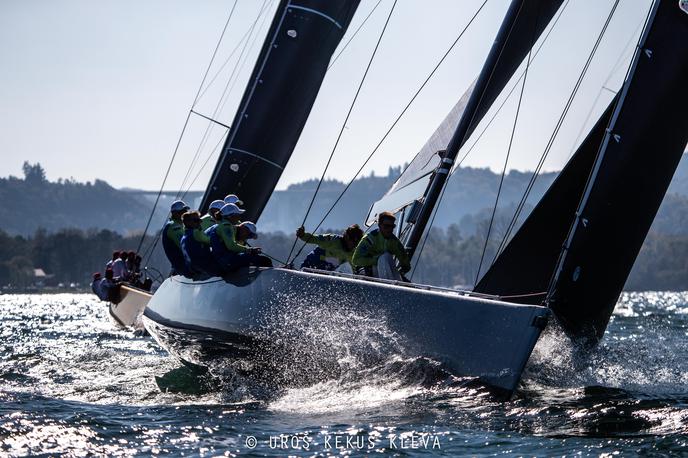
{"x": 346, "y": 119}
{"x": 396, "y": 121}
{"x": 508, "y": 154}
{"x": 560, "y": 122}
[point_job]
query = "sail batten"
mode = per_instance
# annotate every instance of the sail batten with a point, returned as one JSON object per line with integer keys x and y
{"x": 278, "y": 99}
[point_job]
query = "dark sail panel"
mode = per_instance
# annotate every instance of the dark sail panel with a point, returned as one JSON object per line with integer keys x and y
{"x": 645, "y": 142}
{"x": 526, "y": 265}
{"x": 278, "y": 99}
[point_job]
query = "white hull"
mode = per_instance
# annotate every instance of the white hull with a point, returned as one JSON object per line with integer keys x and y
{"x": 128, "y": 311}
{"x": 201, "y": 320}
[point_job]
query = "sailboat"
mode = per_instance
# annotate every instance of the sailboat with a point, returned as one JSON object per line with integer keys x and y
{"x": 490, "y": 331}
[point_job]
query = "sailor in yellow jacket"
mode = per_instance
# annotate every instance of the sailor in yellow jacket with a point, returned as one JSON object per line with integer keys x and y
{"x": 378, "y": 242}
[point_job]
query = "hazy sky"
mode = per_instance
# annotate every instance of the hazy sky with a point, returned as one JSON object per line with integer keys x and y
{"x": 101, "y": 88}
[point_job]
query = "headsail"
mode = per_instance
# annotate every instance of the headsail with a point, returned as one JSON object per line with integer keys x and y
{"x": 634, "y": 166}
{"x": 530, "y": 18}
{"x": 278, "y": 99}
{"x": 524, "y": 269}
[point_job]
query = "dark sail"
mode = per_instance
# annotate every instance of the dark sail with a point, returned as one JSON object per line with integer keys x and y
{"x": 524, "y": 269}
{"x": 645, "y": 141}
{"x": 278, "y": 99}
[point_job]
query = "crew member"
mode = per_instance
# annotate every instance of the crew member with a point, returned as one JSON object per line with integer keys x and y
{"x": 119, "y": 267}
{"x": 172, "y": 238}
{"x": 108, "y": 287}
{"x": 381, "y": 242}
{"x": 230, "y": 254}
{"x": 195, "y": 246}
{"x": 115, "y": 257}
{"x": 213, "y": 215}
{"x": 233, "y": 199}
{"x": 332, "y": 249}
{"x": 249, "y": 231}
{"x": 95, "y": 287}
{"x": 245, "y": 232}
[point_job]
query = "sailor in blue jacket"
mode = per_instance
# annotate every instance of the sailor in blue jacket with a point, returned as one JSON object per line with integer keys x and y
{"x": 196, "y": 247}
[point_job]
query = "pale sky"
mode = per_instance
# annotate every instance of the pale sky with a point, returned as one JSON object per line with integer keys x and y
{"x": 101, "y": 88}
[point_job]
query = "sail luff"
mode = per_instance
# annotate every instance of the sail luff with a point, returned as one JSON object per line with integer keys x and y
{"x": 277, "y": 100}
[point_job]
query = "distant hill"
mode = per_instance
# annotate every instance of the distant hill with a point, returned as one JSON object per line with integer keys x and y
{"x": 33, "y": 202}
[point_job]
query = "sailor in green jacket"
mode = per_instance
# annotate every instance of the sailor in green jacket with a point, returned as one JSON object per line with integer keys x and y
{"x": 332, "y": 250}
{"x": 213, "y": 216}
{"x": 379, "y": 242}
{"x": 225, "y": 248}
{"x": 172, "y": 235}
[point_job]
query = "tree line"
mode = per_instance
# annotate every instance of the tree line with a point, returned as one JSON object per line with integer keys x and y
{"x": 448, "y": 257}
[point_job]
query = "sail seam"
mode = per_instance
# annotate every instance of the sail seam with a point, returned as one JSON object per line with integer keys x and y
{"x": 257, "y": 156}
{"x": 319, "y": 13}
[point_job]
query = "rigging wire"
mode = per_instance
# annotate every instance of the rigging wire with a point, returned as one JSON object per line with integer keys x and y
{"x": 229, "y": 57}
{"x": 550, "y": 142}
{"x": 233, "y": 77}
{"x": 353, "y": 35}
{"x": 186, "y": 123}
{"x": 624, "y": 56}
{"x": 477, "y": 140}
{"x": 396, "y": 121}
{"x": 346, "y": 119}
{"x": 506, "y": 160}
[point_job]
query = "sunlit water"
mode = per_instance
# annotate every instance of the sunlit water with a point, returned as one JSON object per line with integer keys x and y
{"x": 71, "y": 383}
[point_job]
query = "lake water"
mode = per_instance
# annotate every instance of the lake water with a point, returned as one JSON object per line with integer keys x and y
{"x": 71, "y": 383}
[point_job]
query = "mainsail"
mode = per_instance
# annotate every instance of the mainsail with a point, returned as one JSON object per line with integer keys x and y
{"x": 634, "y": 166}
{"x": 278, "y": 99}
{"x": 529, "y": 20}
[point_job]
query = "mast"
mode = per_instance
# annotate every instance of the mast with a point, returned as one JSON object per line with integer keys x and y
{"x": 277, "y": 100}
{"x": 523, "y": 23}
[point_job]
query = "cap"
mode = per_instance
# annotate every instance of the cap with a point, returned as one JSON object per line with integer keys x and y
{"x": 251, "y": 226}
{"x": 233, "y": 199}
{"x": 178, "y": 205}
{"x": 231, "y": 209}
{"x": 96, "y": 275}
{"x": 216, "y": 204}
